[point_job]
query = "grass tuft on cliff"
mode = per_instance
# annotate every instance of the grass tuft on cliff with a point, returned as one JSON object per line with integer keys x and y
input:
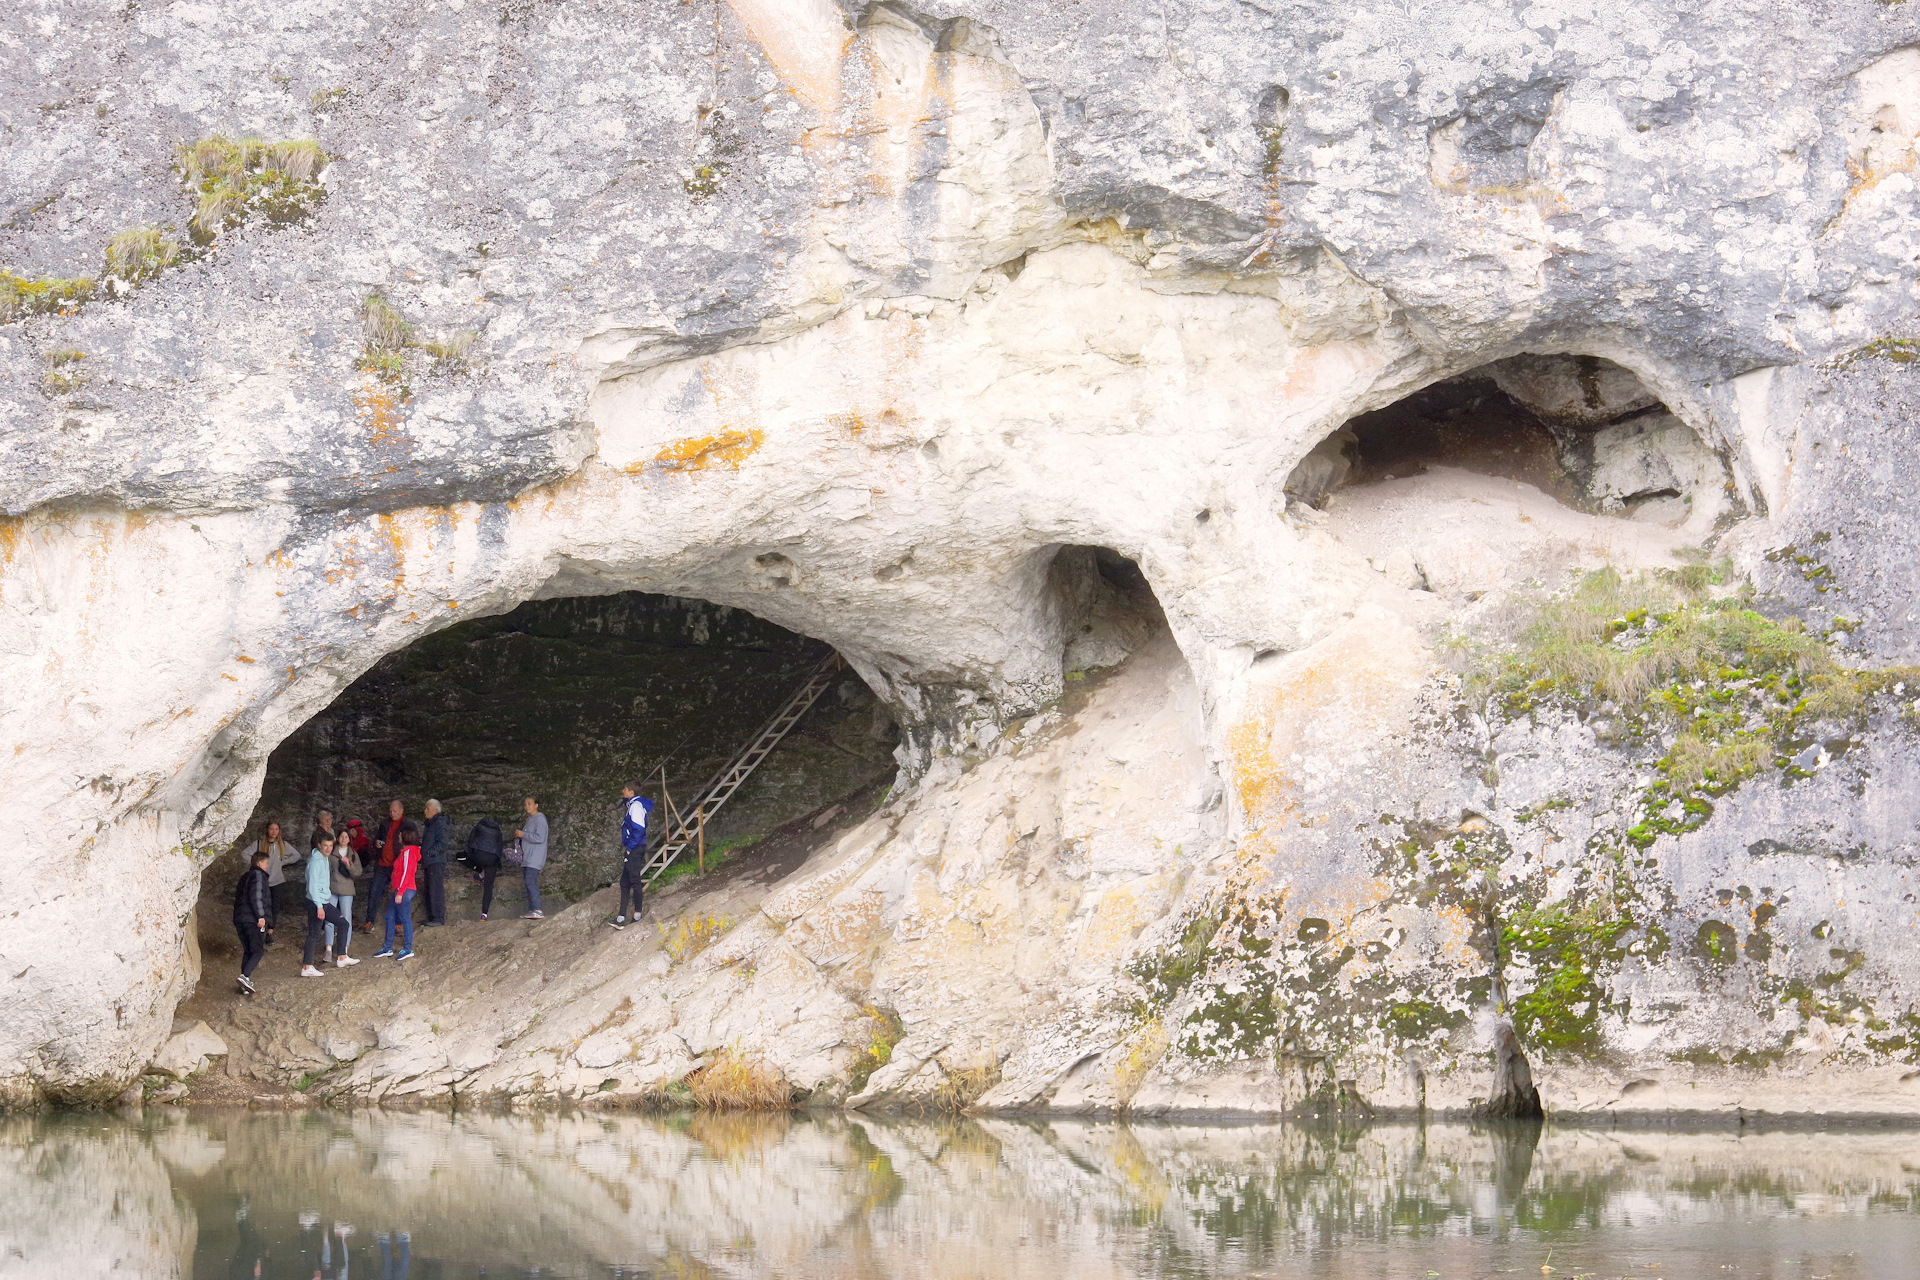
{"x": 234, "y": 179}
{"x": 136, "y": 255}
{"x": 22, "y": 296}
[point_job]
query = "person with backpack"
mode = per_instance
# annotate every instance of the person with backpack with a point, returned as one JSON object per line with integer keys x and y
{"x": 633, "y": 839}
{"x": 404, "y": 888}
{"x": 321, "y": 913}
{"x": 252, "y": 908}
{"x": 483, "y": 851}
{"x": 532, "y": 836}
{"x": 433, "y": 862}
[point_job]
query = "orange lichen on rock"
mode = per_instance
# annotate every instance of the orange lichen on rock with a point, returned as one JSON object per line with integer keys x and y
{"x": 381, "y": 408}
{"x": 727, "y": 448}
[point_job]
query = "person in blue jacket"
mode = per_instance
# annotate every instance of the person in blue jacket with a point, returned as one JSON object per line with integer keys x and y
{"x": 633, "y": 838}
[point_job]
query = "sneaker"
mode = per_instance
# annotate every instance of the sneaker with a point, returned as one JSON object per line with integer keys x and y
{"x": 382, "y": 955}
{"x": 534, "y": 915}
{"x": 433, "y": 924}
{"x": 618, "y": 922}
{"x": 327, "y": 958}
{"x": 483, "y": 915}
{"x": 246, "y": 984}
{"x": 311, "y": 972}
{"x": 404, "y": 955}
{"x": 343, "y": 961}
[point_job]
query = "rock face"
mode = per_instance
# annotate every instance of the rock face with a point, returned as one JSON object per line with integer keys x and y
{"x": 854, "y": 318}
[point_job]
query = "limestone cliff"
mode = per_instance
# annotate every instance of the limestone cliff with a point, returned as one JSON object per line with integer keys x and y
{"x": 854, "y": 317}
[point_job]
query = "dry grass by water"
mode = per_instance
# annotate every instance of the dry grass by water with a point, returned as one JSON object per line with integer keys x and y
{"x": 740, "y": 1080}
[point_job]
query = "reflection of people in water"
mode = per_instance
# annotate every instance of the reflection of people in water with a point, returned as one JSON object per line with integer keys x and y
{"x": 249, "y": 1251}
{"x": 395, "y": 1258}
{"x": 325, "y": 1270}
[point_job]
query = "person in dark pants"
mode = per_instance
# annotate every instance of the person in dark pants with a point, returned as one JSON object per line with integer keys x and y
{"x": 433, "y": 863}
{"x": 483, "y": 851}
{"x": 387, "y": 847}
{"x": 320, "y": 909}
{"x": 252, "y": 906}
{"x": 633, "y": 838}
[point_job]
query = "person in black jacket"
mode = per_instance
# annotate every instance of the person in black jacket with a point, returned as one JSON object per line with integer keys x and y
{"x": 252, "y": 907}
{"x": 433, "y": 861}
{"x": 483, "y": 851}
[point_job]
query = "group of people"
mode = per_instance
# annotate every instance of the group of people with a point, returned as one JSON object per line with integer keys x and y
{"x": 399, "y": 863}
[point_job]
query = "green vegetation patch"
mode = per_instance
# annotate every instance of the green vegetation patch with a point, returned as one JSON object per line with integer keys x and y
{"x": 136, "y": 255}
{"x": 1895, "y": 350}
{"x": 22, "y": 296}
{"x": 1658, "y": 657}
{"x": 884, "y": 1030}
{"x": 1569, "y": 948}
{"x": 234, "y": 179}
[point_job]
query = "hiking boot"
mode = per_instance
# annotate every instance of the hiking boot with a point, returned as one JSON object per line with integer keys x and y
{"x": 311, "y": 972}
{"x": 246, "y": 984}
{"x": 343, "y": 961}
{"x": 382, "y": 955}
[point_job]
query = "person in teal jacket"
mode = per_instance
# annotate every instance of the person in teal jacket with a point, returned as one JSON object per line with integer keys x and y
{"x": 321, "y": 911}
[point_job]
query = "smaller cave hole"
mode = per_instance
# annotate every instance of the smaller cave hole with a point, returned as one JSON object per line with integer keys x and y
{"x": 1106, "y": 608}
{"x": 1582, "y": 430}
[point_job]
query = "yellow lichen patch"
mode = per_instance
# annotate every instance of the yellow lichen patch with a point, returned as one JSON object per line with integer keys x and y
{"x": 727, "y": 448}
{"x": 1117, "y": 918}
{"x": 381, "y": 408}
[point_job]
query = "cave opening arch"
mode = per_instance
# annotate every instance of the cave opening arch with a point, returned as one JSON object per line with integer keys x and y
{"x": 566, "y": 698}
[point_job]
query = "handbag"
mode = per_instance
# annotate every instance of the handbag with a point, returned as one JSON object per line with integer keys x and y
{"x": 513, "y": 855}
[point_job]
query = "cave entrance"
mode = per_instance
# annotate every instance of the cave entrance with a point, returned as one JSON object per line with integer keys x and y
{"x": 1580, "y": 429}
{"x": 1515, "y": 472}
{"x": 566, "y": 700}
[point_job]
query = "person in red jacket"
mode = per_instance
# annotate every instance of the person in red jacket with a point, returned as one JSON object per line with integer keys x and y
{"x": 403, "y": 884}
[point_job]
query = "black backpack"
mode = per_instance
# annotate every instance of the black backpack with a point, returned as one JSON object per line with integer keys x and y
{"x": 483, "y": 844}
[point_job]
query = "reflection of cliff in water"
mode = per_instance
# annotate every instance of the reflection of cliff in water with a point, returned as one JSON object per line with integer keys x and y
{"x": 842, "y": 1197}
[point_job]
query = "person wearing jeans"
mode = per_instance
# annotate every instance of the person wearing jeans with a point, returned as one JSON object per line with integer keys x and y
{"x": 533, "y": 855}
{"x": 406, "y": 867}
{"x": 344, "y": 867}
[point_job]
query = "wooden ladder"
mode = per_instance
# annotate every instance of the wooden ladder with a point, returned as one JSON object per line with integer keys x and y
{"x": 680, "y": 836}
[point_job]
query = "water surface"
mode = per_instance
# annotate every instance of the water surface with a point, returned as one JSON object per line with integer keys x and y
{"x": 379, "y": 1196}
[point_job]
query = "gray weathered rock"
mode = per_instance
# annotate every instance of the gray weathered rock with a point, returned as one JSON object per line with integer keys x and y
{"x": 853, "y": 316}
